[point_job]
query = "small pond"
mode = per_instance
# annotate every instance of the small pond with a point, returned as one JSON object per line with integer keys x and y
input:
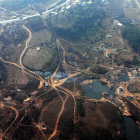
{"x": 95, "y": 90}
{"x": 8, "y": 104}
{"x": 123, "y": 78}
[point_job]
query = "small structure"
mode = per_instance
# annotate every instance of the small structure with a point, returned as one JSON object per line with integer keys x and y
{"x": 108, "y": 36}
{"x": 116, "y": 50}
{"x": 117, "y": 23}
{"x": 38, "y": 48}
{"x": 27, "y": 101}
{"x": 19, "y": 90}
{"x": 46, "y": 85}
{"x": 103, "y": 45}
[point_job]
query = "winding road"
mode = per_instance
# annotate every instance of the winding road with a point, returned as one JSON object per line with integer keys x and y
{"x": 37, "y": 14}
{"x": 53, "y": 85}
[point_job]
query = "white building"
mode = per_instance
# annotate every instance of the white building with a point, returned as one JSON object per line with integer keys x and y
{"x": 38, "y": 48}
{"x": 117, "y": 23}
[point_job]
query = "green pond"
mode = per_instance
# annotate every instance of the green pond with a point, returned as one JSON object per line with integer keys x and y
{"x": 123, "y": 78}
{"x": 96, "y": 90}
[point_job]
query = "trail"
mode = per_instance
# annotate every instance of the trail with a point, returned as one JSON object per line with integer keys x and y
{"x": 72, "y": 94}
{"x": 64, "y": 54}
{"x": 23, "y": 117}
{"x": 44, "y": 110}
{"x": 26, "y": 46}
{"x": 23, "y": 52}
{"x": 60, "y": 113}
{"x": 17, "y": 114}
{"x": 19, "y": 122}
{"x": 12, "y": 63}
{"x": 21, "y": 57}
{"x": 121, "y": 39}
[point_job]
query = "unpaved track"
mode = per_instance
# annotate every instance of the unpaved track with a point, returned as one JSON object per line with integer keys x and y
{"x": 72, "y": 94}
{"x": 17, "y": 114}
{"x": 60, "y": 113}
{"x": 64, "y": 54}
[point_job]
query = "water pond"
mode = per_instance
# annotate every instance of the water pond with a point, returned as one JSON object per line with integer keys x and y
{"x": 123, "y": 78}
{"x": 8, "y": 104}
{"x": 95, "y": 90}
{"x": 131, "y": 129}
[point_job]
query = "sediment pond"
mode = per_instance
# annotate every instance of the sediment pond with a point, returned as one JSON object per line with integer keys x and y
{"x": 95, "y": 90}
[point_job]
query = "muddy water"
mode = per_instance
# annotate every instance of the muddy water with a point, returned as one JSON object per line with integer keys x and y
{"x": 131, "y": 129}
{"x": 95, "y": 90}
{"x": 123, "y": 78}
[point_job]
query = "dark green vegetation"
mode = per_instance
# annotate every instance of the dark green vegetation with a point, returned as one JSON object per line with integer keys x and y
{"x": 9, "y": 93}
{"x": 99, "y": 70}
{"x": 80, "y": 22}
{"x": 31, "y": 85}
{"x": 35, "y": 24}
{"x": 89, "y": 76}
{"x": 132, "y": 34}
{"x": 16, "y": 34}
{"x": 3, "y": 72}
{"x": 21, "y": 135}
{"x": 80, "y": 108}
{"x": 13, "y": 34}
{"x": 127, "y": 62}
{"x": 67, "y": 130}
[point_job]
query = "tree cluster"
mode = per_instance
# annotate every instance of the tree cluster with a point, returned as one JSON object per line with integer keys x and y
{"x": 132, "y": 34}
{"x": 80, "y": 108}
{"x": 82, "y": 22}
{"x": 3, "y": 72}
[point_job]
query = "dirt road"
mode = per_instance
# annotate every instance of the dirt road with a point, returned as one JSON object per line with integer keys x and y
{"x": 17, "y": 114}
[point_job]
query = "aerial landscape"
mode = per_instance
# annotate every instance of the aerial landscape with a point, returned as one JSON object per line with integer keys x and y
{"x": 69, "y": 69}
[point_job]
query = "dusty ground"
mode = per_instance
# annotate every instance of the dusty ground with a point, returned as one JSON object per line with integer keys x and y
{"x": 50, "y": 115}
{"x": 131, "y": 9}
{"x": 36, "y": 59}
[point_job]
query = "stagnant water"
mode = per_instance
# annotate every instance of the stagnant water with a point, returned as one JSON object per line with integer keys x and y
{"x": 95, "y": 90}
{"x": 131, "y": 129}
{"x": 123, "y": 78}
